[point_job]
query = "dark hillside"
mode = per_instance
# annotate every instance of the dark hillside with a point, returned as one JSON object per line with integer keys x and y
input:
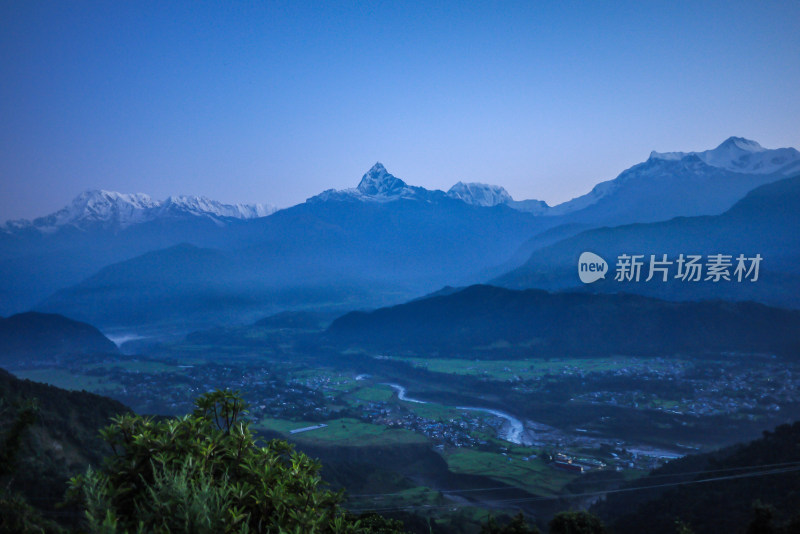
{"x": 724, "y": 505}
{"x": 61, "y": 443}
{"x": 43, "y": 336}
{"x": 538, "y": 323}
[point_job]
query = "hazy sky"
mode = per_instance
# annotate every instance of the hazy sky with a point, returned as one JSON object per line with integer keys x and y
{"x": 277, "y": 101}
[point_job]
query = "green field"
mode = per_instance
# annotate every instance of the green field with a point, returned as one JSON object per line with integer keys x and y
{"x": 417, "y": 496}
{"x": 143, "y": 366}
{"x": 66, "y": 380}
{"x": 194, "y": 352}
{"x": 436, "y": 412}
{"x": 378, "y": 393}
{"x": 533, "y": 368}
{"x": 342, "y": 432}
{"x": 532, "y": 475}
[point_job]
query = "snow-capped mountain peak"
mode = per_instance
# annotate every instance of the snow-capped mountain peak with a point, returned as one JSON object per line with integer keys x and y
{"x": 713, "y": 179}
{"x": 486, "y": 195}
{"x": 741, "y": 143}
{"x": 199, "y": 205}
{"x": 479, "y": 194}
{"x": 97, "y": 207}
{"x": 113, "y": 210}
{"x": 378, "y": 181}
{"x": 98, "y": 202}
{"x": 741, "y": 155}
{"x": 377, "y": 185}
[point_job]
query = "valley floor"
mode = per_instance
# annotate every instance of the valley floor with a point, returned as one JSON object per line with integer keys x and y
{"x": 459, "y": 436}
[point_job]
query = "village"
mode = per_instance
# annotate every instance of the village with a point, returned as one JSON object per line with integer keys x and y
{"x": 291, "y": 392}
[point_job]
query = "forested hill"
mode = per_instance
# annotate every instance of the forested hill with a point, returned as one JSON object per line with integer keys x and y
{"x": 41, "y": 336}
{"x": 765, "y": 470}
{"x": 535, "y": 322}
{"x": 63, "y": 440}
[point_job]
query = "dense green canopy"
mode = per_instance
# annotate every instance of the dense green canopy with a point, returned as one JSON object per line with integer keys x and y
{"x": 204, "y": 473}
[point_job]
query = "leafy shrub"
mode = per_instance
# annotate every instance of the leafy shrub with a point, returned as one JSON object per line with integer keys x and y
{"x": 204, "y": 473}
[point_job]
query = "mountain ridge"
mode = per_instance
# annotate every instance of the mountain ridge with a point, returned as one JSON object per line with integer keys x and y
{"x": 121, "y": 210}
{"x": 383, "y": 240}
{"x": 537, "y": 323}
{"x": 736, "y": 166}
{"x": 110, "y": 209}
{"x": 722, "y": 505}
{"x": 737, "y": 162}
{"x": 762, "y": 222}
{"x": 742, "y": 155}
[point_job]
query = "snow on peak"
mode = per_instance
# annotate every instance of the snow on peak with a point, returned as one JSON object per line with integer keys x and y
{"x": 98, "y": 200}
{"x": 378, "y": 168}
{"x": 479, "y": 194}
{"x": 378, "y": 185}
{"x": 741, "y": 155}
{"x": 198, "y": 205}
{"x": 100, "y": 207}
{"x": 741, "y": 143}
{"x": 110, "y": 209}
{"x": 378, "y": 182}
{"x": 667, "y": 156}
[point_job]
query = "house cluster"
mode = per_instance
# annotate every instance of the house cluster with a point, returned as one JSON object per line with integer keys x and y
{"x": 450, "y": 432}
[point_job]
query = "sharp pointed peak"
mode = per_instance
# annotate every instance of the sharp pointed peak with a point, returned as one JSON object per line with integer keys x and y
{"x": 378, "y": 181}
{"x": 378, "y": 167}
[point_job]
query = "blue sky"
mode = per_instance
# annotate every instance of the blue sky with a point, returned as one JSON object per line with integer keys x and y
{"x": 277, "y": 101}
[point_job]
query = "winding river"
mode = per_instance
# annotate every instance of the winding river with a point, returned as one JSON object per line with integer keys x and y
{"x": 530, "y": 432}
{"x": 512, "y": 430}
{"x": 401, "y": 394}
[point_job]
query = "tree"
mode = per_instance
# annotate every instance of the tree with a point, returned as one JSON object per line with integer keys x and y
{"x": 517, "y": 525}
{"x": 16, "y": 515}
{"x": 10, "y": 441}
{"x": 204, "y": 473}
{"x": 762, "y": 519}
{"x": 377, "y": 524}
{"x": 576, "y": 523}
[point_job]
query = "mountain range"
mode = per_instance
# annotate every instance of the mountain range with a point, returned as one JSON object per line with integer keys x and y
{"x": 115, "y": 259}
{"x": 117, "y": 211}
{"x": 763, "y": 223}
{"x": 339, "y": 254}
{"x": 108, "y": 209}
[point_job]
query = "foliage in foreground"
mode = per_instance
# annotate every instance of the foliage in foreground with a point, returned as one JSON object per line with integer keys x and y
{"x": 576, "y": 522}
{"x": 517, "y": 525}
{"x": 16, "y": 515}
{"x": 204, "y": 473}
{"x": 567, "y": 522}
